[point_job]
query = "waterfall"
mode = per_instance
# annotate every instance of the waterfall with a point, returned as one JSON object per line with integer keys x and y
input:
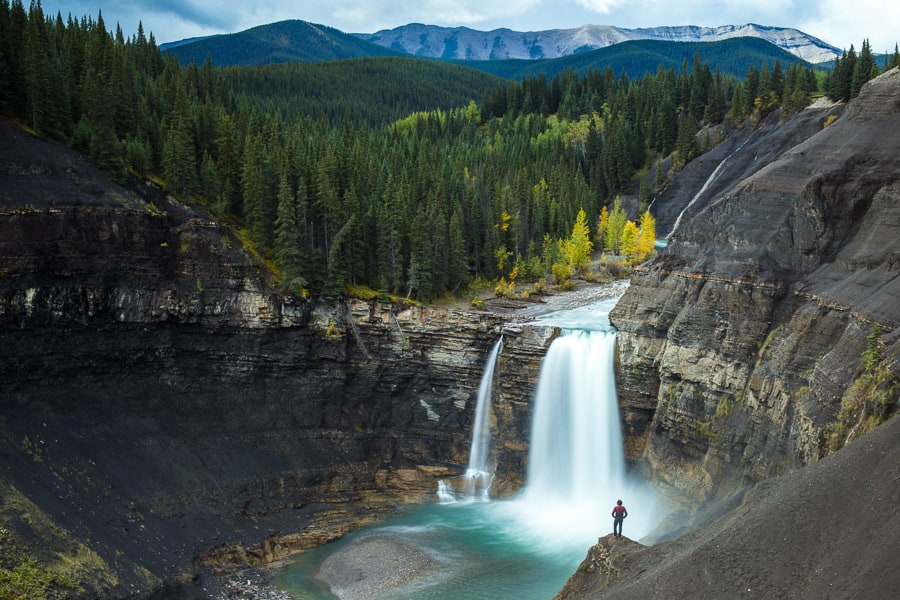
{"x": 706, "y": 184}
{"x": 576, "y": 458}
{"x": 576, "y": 440}
{"x": 476, "y": 482}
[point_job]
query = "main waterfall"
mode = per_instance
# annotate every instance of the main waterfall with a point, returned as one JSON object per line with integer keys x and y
{"x": 576, "y": 459}
{"x": 576, "y": 440}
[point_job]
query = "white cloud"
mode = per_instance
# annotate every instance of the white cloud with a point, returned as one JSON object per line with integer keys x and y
{"x": 601, "y": 6}
{"x": 844, "y": 23}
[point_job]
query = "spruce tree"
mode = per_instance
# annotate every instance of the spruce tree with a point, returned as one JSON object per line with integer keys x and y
{"x": 179, "y": 157}
{"x": 686, "y": 145}
{"x": 37, "y": 73}
{"x": 863, "y": 70}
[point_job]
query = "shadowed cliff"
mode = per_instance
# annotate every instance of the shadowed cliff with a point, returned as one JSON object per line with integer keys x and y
{"x": 164, "y": 409}
{"x": 745, "y": 341}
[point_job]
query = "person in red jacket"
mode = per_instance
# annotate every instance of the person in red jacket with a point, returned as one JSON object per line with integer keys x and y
{"x": 618, "y": 514}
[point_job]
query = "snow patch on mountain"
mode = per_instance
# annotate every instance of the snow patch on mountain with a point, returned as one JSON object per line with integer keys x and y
{"x": 464, "y": 43}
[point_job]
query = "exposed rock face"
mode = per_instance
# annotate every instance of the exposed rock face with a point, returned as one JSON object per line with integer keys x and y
{"x": 830, "y": 530}
{"x": 739, "y": 340}
{"x": 162, "y": 400}
{"x": 500, "y": 44}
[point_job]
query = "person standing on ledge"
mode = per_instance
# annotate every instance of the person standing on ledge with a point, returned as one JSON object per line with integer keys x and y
{"x": 618, "y": 514}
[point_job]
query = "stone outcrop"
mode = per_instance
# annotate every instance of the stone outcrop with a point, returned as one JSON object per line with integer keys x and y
{"x": 738, "y": 341}
{"x": 829, "y": 530}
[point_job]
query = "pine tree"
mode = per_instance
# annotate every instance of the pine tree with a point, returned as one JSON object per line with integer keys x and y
{"x": 228, "y": 164}
{"x": 644, "y": 191}
{"x": 751, "y": 90}
{"x": 894, "y": 58}
{"x": 686, "y": 145}
{"x": 252, "y": 188}
{"x": 714, "y": 112}
{"x": 179, "y": 157}
{"x": 17, "y": 26}
{"x": 338, "y": 261}
{"x": 421, "y": 264}
{"x": 5, "y": 66}
{"x": 37, "y": 73}
{"x": 738, "y": 104}
{"x": 289, "y": 248}
{"x": 863, "y": 70}
{"x": 778, "y": 79}
{"x": 457, "y": 264}
{"x": 841, "y": 85}
{"x": 701, "y": 80}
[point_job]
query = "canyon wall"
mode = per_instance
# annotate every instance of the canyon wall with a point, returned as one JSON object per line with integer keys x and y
{"x": 165, "y": 409}
{"x": 739, "y": 340}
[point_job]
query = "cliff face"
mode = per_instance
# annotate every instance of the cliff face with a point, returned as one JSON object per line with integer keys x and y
{"x": 160, "y": 399}
{"x": 740, "y": 339}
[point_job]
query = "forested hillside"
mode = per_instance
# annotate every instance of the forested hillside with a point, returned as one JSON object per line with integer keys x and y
{"x": 635, "y": 58}
{"x": 285, "y": 41}
{"x": 409, "y": 177}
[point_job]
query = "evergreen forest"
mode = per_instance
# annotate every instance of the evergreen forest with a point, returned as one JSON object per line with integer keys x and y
{"x": 409, "y": 177}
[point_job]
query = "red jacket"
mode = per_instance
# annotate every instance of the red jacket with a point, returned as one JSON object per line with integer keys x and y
{"x": 619, "y": 511}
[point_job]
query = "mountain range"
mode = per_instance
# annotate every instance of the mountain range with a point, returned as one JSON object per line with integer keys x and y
{"x": 300, "y": 41}
{"x": 469, "y": 44}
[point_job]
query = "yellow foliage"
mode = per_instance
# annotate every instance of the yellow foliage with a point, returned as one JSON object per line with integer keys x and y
{"x": 629, "y": 241}
{"x": 602, "y": 224}
{"x": 561, "y": 272}
{"x": 647, "y": 236}
{"x": 504, "y": 289}
{"x": 502, "y": 255}
{"x": 578, "y": 248}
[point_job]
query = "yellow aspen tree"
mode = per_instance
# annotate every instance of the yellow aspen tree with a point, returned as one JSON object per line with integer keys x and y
{"x": 629, "y": 241}
{"x": 647, "y": 237}
{"x": 617, "y": 218}
{"x": 602, "y": 224}
{"x": 579, "y": 247}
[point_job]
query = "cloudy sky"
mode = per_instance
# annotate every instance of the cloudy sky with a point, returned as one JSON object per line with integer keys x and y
{"x": 837, "y": 22}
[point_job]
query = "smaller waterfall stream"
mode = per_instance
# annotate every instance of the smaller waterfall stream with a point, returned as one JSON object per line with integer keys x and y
{"x": 478, "y": 476}
{"x": 477, "y": 480}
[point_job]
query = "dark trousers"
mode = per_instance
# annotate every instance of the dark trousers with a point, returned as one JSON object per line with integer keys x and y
{"x": 617, "y": 525}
